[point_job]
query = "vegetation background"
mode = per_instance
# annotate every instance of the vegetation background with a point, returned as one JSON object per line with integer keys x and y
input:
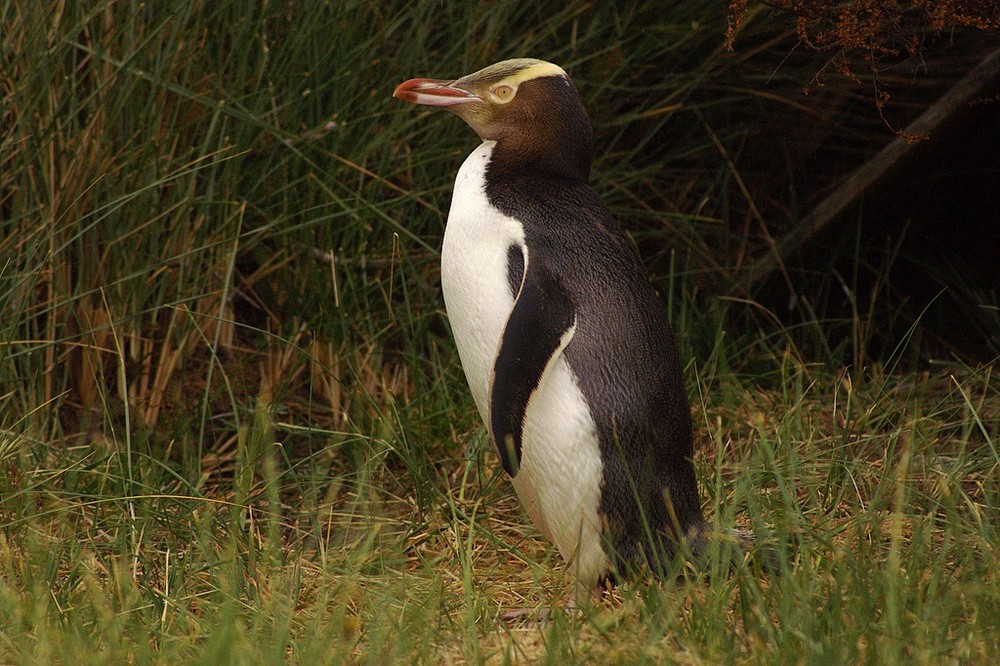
{"x": 233, "y": 428}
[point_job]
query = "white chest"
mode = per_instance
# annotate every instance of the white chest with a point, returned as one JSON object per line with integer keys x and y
{"x": 560, "y": 473}
{"x": 474, "y": 273}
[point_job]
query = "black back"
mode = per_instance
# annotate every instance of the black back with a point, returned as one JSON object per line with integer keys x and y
{"x": 623, "y": 354}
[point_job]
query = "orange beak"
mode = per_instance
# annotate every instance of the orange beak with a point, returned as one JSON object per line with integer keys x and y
{"x": 432, "y": 92}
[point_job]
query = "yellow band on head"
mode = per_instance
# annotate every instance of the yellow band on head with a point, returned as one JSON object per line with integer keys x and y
{"x": 513, "y": 72}
{"x": 535, "y": 71}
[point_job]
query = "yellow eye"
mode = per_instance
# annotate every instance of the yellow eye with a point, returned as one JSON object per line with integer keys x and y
{"x": 503, "y": 93}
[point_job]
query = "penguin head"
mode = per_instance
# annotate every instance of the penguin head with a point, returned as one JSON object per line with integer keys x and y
{"x": 529, "y": 107}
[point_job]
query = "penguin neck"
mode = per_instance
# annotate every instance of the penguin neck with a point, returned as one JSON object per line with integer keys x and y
{"x": 550, "y": 157}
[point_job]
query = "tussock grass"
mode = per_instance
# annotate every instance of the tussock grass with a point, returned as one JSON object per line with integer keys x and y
{"x": 233, "y": 428}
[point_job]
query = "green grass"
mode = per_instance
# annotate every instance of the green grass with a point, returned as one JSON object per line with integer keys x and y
{"x": 233, "y": 427}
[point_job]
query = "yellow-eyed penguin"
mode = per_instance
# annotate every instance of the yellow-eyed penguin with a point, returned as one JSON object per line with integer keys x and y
{"x": 565, "y": 344}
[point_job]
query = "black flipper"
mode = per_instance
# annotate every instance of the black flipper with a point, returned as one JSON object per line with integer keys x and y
{"x": 539, "y": 326}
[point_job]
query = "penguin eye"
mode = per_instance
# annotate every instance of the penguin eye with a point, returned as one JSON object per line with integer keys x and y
{"x": 503, "y": 93}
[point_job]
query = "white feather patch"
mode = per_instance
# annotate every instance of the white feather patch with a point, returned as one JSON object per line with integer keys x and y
{"x": 560, "y": 470}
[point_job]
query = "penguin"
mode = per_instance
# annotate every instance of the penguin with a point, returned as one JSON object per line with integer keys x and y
{"x": 566, "y": 346}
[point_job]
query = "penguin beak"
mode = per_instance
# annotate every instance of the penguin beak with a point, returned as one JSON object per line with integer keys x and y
{"x": 432, "y": 92}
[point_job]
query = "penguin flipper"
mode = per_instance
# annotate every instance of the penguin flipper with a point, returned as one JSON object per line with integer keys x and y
{"x": 539, "y": 327}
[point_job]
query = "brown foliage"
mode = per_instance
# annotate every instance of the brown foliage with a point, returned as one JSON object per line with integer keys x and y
{"x": 871, "y": 31}
{"x": 874, "y": 28}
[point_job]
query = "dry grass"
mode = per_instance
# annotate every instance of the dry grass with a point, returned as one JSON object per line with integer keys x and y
{"x": 233, "y": 428}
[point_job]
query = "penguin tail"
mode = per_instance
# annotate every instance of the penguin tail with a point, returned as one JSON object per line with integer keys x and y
{"x": 709, "y": 544}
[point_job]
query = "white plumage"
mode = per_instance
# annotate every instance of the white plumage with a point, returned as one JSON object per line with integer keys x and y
{"x": 560, "y": 472}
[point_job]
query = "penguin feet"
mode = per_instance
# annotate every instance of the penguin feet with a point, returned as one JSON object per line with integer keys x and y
{"x": 575, "y": 603}
{"x": 539, "y": 616}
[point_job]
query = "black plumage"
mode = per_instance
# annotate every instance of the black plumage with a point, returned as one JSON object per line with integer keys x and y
{"x": 574, "y": 290}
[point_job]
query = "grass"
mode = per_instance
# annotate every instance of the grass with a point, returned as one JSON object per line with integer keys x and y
{"x": 233, "y": 428}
